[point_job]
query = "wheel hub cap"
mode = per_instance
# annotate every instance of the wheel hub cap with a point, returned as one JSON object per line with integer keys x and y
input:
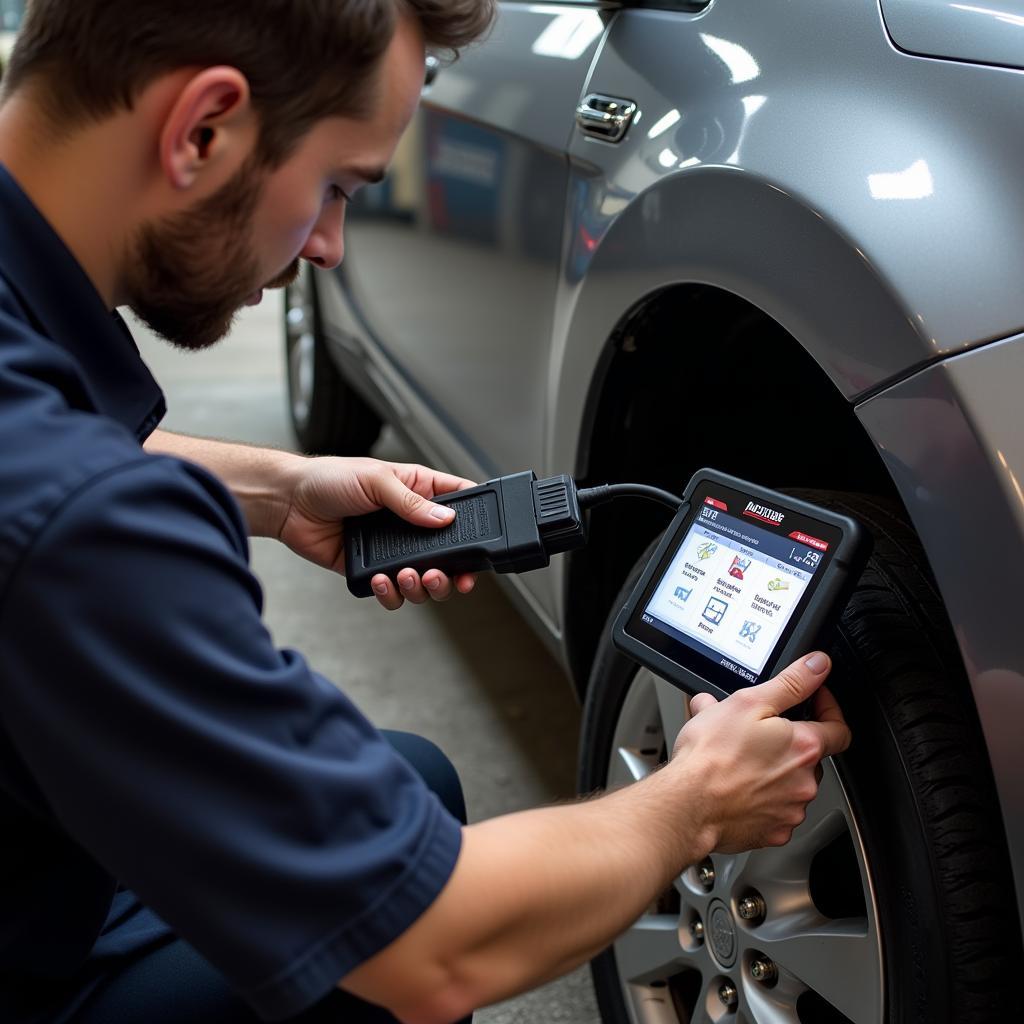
{"x": 722, "y": 934}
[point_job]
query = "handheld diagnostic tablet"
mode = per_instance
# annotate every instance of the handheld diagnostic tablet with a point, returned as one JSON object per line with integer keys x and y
{"x": 743, "y": 582}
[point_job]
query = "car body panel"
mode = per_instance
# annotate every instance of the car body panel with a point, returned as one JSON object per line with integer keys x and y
{"x": 793, "y": 182}
{"x": 866, "y": 199}
{"x": 477, "y": 194}
{"x": 768, "y": 96}
{"x": 780, "y": 193}
{"x": 988, "y": 33}
{"x": 951, "y": 437}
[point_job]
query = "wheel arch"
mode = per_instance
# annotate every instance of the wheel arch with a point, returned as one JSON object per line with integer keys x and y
{"x": 635, "y": 415}
{"x": 765, "y": 298}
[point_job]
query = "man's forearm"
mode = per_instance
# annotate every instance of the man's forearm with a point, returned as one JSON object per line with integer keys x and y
{"x": 535, "y": 894}
{"x": 259, "y": 478}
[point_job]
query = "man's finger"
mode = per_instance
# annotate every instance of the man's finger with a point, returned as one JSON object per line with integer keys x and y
{"x": 835, "y": 736}
{"x": 386, "y": 593}
{"x": 413, "y": 507}
{"x": 700, "y": 702}
{"x": 825, "y": 708}
{"x": 438, "y": 586}
{"x": 795, "y": 683}
{"x": 430, "y": 482}
{"x": 411, "y": 586}
{"x": 445, "y": 483}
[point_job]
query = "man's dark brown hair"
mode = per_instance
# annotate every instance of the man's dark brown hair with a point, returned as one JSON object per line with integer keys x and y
{"x": 304, "y": 59}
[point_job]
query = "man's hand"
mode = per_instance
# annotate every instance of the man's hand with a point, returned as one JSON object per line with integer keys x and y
{"x": 550, "y": 888}
{"x": 328, "y": 489}
{"x": 302, "y": 502}
{"x": 758, "y": 772}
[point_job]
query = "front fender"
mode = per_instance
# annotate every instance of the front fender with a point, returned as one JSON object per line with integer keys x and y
{"x": 951, "y": 439}
{"x": 725, "y": 228}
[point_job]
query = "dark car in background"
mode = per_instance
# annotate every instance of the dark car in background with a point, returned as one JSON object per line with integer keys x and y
{"x": 785, "y": 240}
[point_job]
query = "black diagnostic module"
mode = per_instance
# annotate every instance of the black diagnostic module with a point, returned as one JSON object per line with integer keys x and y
{"x": 744, "y": 581}
{"x": 512, "y": 524}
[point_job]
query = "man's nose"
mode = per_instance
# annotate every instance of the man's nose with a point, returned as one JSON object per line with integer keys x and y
{"x": 325, "y": 246}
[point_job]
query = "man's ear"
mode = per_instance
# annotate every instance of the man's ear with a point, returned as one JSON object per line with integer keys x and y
{"x": 211, "y": 123}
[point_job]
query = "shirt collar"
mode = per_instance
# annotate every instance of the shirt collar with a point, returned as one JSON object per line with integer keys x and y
{"x": 63, "y": 304}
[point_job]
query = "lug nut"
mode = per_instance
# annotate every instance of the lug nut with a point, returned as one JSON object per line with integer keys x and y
{"x": 764, "y": 971}
{"x": 697, "y": 930}
{"x": 727, "y": 993}
{"x": 706, "y": 874}
{"x": 752, "y": 907}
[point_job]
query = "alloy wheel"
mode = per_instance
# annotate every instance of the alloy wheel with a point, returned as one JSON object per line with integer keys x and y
{"x": 787, "y": 935}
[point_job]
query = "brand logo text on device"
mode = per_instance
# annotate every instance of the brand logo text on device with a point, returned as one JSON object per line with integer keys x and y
{"x": 764, "y": 513}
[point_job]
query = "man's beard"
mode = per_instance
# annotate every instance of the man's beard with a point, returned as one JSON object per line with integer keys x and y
{"x": 192, "y": 271}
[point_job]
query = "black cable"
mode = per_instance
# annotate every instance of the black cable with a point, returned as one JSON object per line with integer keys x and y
{"x": 588, "y": 497}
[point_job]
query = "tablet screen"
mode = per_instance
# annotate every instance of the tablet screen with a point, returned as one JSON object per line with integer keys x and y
{"x": 728, "y": 588}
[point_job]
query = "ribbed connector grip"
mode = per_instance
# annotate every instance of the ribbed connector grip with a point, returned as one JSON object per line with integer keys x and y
{"x": 514, "y": 523}
{"x": 558, "y": 513}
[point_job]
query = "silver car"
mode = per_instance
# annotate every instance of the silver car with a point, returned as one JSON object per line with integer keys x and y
{"x": 785, "y": 239}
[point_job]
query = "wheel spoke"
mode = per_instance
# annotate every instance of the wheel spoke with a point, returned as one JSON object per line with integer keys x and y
{"x": 674, "y": 709}
{"x": 709, "y": 1007}
{"x": 650, "y": 949}
{"x": 825, "y": 817}
{"x": 837, "y": 959}
{"x": 651, "y": 1005}
{"x": 728, "y": 868}
{"x": 700, "y": 1011}
{"x": 830, "y": 796}
{"x": 782, "y": 867}
{"x": 637, "y": 743}
{"x": 636, "y": 764}
{"x": 771, "y": 1005}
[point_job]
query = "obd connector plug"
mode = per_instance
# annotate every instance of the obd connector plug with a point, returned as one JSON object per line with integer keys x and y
{"x": 512, "y": 524}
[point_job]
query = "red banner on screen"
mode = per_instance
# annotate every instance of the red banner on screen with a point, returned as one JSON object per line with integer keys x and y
{"x": 811, "y": 542}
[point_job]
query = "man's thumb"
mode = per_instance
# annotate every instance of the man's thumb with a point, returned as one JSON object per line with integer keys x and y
{"x": 796, "y": 683}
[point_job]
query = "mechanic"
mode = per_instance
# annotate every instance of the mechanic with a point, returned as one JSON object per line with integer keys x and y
{"x": 196, "y": 826}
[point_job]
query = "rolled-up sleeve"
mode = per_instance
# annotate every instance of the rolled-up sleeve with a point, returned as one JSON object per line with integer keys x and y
{"x": 244, "y": 798}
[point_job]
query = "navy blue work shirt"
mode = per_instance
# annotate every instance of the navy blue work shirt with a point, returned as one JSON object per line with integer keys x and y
{"x": 152, "y": 738}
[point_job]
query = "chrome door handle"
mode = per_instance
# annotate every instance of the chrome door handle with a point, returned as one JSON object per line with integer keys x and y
{"x": 605, "y": 117}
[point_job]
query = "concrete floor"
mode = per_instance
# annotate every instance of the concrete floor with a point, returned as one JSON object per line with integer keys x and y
{"x": 468, "y": 674}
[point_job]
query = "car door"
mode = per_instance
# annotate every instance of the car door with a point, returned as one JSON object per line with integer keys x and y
{"x": 453, "y": 262}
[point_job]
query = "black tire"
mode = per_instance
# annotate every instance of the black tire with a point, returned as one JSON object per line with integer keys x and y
{"x": 327, "y": 415}
{"x": 919, "y": 788}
